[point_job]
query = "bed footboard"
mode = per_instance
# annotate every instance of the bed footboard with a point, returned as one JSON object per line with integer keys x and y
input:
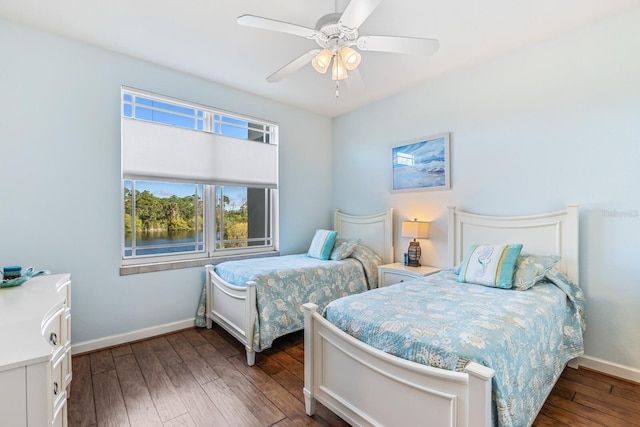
{"x": 233, "y": 308}
{"x": 366, "y": 386}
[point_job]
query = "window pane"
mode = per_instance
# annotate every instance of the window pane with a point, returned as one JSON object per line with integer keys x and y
{"x": 234, "y": 127}
{"x": 167, "y": 218}
{"x": 162, "y": 112}
{"x": 242, "y": 217}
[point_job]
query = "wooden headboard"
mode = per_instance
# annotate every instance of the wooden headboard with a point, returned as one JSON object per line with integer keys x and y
{"x": 374, "y": 231}
{"x": 554, "y": 233}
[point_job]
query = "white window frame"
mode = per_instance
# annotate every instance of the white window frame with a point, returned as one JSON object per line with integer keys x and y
{"x": 211, "y": 118}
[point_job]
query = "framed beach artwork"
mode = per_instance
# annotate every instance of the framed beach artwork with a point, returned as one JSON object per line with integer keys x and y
{"x": 422, "y": 165}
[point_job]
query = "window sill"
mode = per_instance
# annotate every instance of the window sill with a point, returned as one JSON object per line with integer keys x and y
{"x": 127, "y": 270}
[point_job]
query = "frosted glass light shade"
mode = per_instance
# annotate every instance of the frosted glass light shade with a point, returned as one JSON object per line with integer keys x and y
{"x": 338, "y": 70}
{"x": 350, "y": 57}
{"x": 322, "y": 61}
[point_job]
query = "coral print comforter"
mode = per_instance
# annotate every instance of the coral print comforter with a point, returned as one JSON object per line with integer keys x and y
{"x": 526, "y": 337}
{"x": 284, "y": 283}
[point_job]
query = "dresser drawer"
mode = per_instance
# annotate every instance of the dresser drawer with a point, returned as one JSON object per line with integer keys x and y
{"x": 58, "y": 386}
{"x": 52, "y": 329}
{"x": 66, "y": 366}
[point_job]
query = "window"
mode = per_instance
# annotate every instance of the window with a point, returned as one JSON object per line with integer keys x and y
{"x": 196, "y": 182}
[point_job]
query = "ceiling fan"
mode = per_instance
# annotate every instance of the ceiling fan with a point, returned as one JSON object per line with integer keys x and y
{"x": 336, "y": 35}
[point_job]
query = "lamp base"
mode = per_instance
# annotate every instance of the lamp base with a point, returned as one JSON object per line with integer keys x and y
{"x": 414, "y": 253}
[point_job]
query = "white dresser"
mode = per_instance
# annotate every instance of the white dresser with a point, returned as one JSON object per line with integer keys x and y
{"x": 35, "y": 352}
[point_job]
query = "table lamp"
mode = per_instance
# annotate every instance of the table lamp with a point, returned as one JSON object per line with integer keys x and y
{"x": 416, "y": 230}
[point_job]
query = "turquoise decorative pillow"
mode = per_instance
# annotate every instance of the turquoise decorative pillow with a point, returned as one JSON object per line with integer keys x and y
{"x": 531, "y": 268}
{"x": 490, "y": 265}
{"x": 322, "y": 244}
{"x": 343, "y": 248}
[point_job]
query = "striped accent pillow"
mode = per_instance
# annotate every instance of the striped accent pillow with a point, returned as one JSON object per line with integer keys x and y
{"x": 322, "y": 244}
{"x": 490, "y": 265}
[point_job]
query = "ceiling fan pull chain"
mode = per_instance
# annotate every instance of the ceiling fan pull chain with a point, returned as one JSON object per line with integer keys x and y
{"x": 337, "y": 88}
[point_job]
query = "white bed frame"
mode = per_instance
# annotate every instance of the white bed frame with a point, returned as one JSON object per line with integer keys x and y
{"x": 366, "y": 386}
{"x": 234, "y": 307}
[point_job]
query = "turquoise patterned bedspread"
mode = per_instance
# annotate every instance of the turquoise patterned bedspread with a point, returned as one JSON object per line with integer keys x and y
{"x": 284, "y": 283}
{"x": 526, "y": 337}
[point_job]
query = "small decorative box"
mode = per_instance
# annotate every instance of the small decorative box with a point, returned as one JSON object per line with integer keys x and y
{"x": 12, "y": 272}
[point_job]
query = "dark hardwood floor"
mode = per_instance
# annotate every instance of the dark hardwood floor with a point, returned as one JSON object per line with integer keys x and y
{"x": 199, "y": 377}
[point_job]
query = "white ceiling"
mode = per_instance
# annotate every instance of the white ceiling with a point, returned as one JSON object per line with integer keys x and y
{"x": 201, "y": 37}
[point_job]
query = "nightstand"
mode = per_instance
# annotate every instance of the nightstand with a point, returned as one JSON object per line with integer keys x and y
{"x": 390, "y": 274}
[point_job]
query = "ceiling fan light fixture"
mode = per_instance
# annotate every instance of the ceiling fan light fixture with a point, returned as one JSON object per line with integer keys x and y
{"x": 322, "y": 61}
{"x": 350, "y": 57}
{"x": 338, "y": 70}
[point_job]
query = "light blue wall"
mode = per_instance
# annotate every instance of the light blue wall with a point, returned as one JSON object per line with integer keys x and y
{"x": 553, "y": 124}
{"x": 60, "y": 175}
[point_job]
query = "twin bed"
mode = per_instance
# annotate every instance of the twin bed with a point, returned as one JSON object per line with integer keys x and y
{"x": 432, "y": 351}
{"x": 259, "y": 300}
{"x": 465, "y": 354}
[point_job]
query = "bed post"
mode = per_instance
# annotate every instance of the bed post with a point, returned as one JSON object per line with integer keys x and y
{"x": 208, "y": 294}
{"x": 251, "y": 313}
{"x": 309, "y": 351}
{"x": 480, "y": 394}
{"x": 451, "y": 242}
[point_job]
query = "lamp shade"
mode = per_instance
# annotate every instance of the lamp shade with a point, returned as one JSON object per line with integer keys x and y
{"x": 338, "y": 70}
{"x": 322, "y": 61}
{"x": 350, "y": 57}
{"x": 415, "y": 229}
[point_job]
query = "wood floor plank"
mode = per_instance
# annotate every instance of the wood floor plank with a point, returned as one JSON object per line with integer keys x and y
{"x": 81, "y": 410}
{"x": 182, "y": 421}
{"x": 162, "y": 391}
{"x": 194, "y": 337}
{"x": 200, "y": 369}
{"x": 110, "y": 408}
{"x": 589, "y": 416}
{"x": 121, "y": 350}
{"x": 257, "y": 402}
{"x": 544, "y": 421}
{"x": 627, "y": 392}
{"x": 616, "y": 382}
{"x": 101, "y": 361}
{"x": 202, "y": 409}
{"x": 280, "y": 396}
{"x": 289, "y": 363}
{"x": 140, "y": 406}
{"x": 164, "y": 351}
{"x": 611, "y": 406}
{"x": 227, "y": 348}
{"x": 233, "y": 409}
{"x": 586, "y": 378}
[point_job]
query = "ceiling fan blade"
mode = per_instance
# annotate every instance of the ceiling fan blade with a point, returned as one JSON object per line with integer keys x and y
{"x": 293, "y": 66}
{"x": 273, "y": 25}
{"x": 356, "y": 13}
{"x": 411, "y": 45}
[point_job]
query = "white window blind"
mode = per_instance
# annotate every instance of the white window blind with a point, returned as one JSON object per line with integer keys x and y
{"x": 151, "y": 151}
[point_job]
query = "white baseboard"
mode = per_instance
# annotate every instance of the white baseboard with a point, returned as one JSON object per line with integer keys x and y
{"x": 113, "y": 340}
{"x": 610, "y": 368}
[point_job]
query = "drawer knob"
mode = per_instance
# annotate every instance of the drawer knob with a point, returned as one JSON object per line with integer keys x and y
{"x": 55, "y": 388}
{"x": 53, "y": 338}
